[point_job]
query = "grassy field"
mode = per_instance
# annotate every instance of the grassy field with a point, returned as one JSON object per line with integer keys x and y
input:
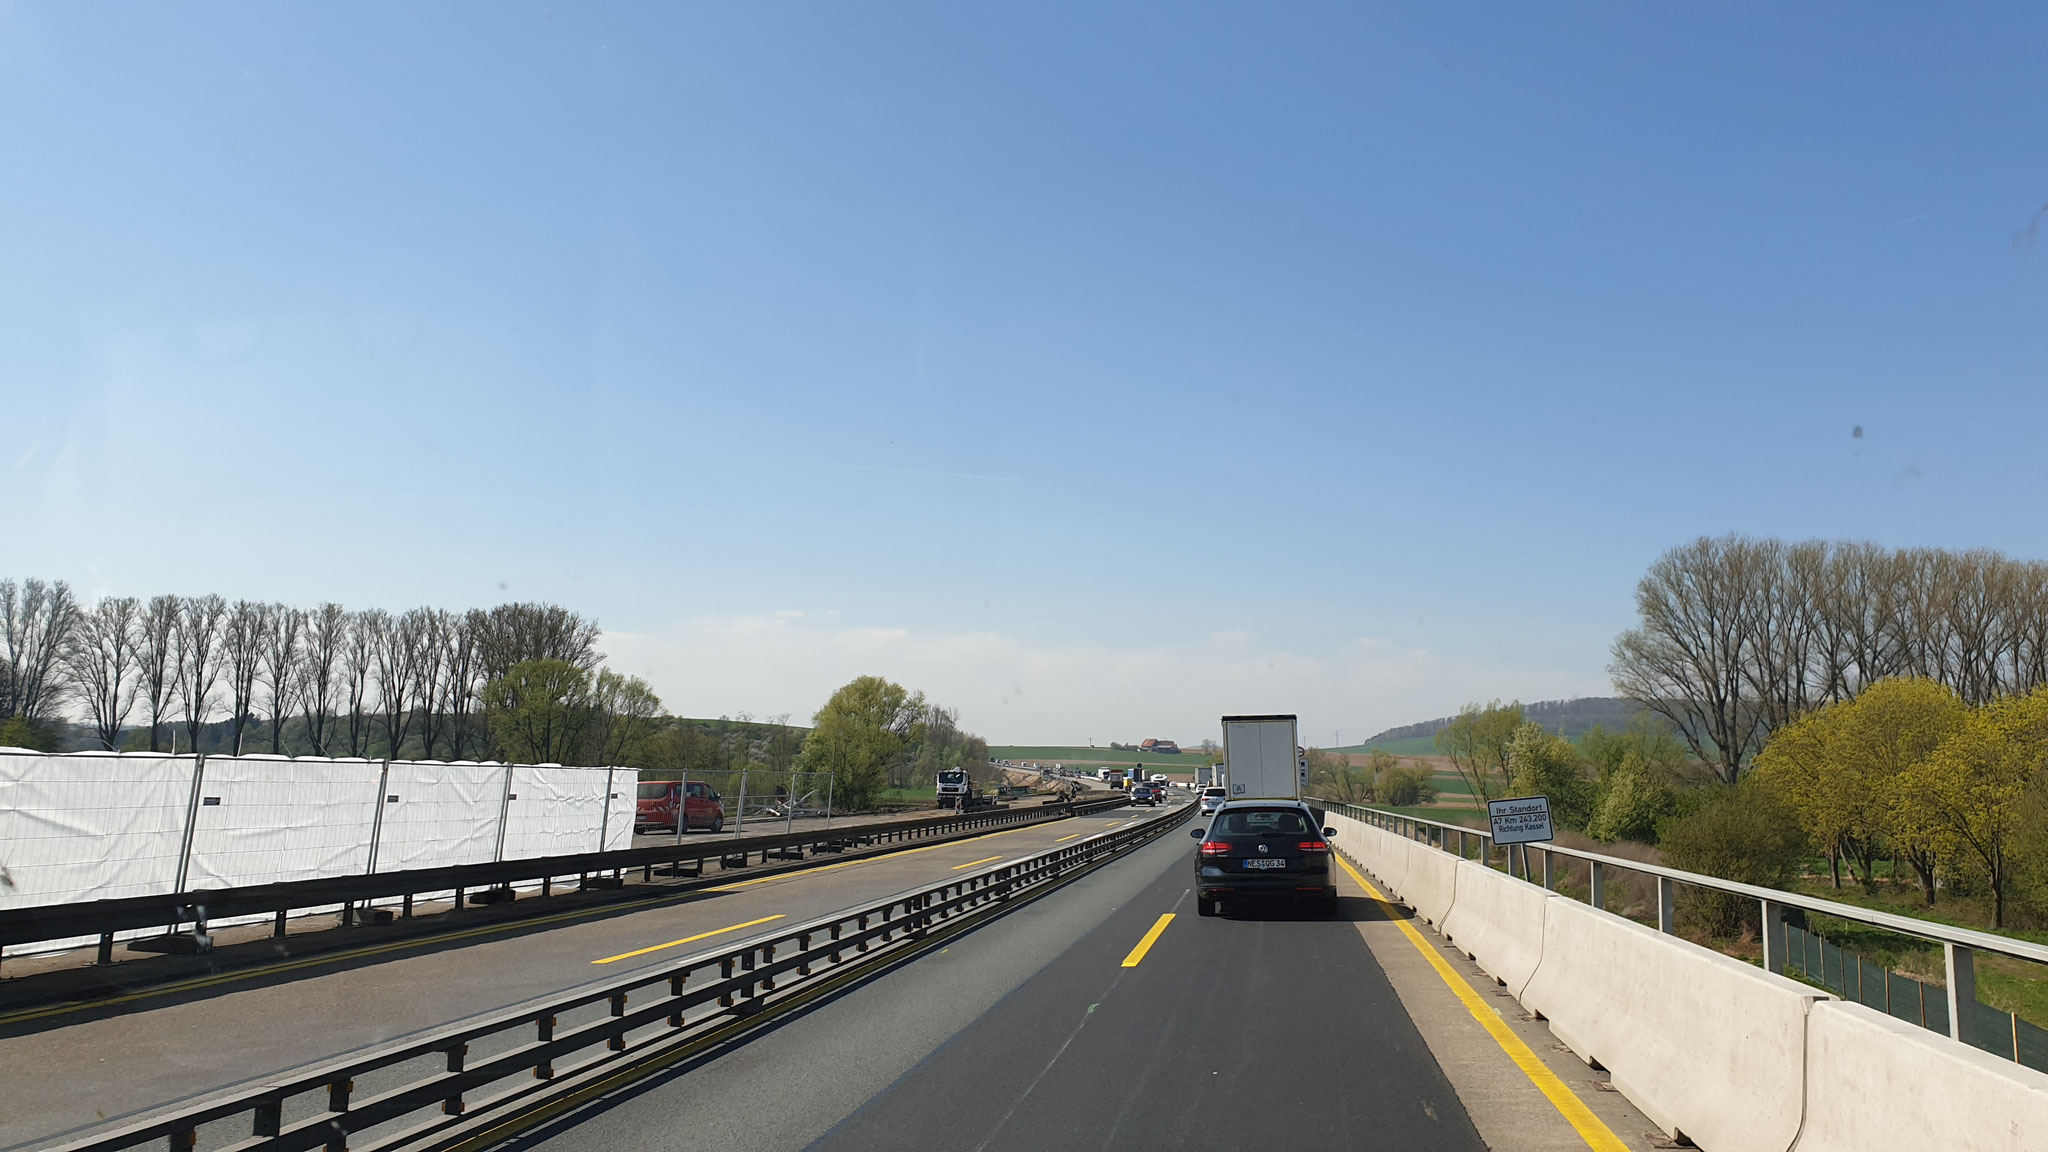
{"x": 1466, "y": 816}
{"x": 1412, "y": 746}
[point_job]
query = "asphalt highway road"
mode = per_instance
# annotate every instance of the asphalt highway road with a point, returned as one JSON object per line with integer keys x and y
{"x": 77, "y": 1069}
{"x": 1082, "y": 1020}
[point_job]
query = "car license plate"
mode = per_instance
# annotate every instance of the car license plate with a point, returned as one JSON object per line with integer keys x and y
{"x": 1255, "y": 864}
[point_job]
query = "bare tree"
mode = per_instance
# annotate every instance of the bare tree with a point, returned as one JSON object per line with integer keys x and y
{"x": 397, "y": 652}
{"x": 1811, "y": 623}
{"x": 464, "y": 683}
{"x": 1686, "y": 660}
{"x": 1776, "y": 611}
{"x": 201, "y": 620}
{"x": 283, "y": 631}
{"x": 156, "y": 649}
{"x": 326, "y": 636}
{"x": 2030, "y": 630}
{"x": 102, "y": 662}
{"x": 244, "y": 638}
{"x": 432, "y": 628}
{"x": 512, "y": 633}
{"x": 36, "y": 621}
{"x": 358, "y": 657}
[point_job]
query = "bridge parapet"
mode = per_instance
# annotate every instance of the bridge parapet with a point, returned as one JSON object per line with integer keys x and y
{"x": 1710, "y": 1047}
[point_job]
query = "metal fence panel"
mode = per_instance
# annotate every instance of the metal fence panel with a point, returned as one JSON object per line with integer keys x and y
{"x": 88, "y": 827}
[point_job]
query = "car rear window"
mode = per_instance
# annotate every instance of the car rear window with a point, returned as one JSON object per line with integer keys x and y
{"x": 1262, "y": 822}
{"x": 654, "y": 791}
{"x": 1212, "y": 791}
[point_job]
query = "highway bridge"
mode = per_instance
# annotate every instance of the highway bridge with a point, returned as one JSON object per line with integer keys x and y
{"x": 1039, "y": 986}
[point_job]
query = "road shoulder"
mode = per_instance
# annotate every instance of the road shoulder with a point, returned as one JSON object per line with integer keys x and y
{"x": 1510, "y": 1111}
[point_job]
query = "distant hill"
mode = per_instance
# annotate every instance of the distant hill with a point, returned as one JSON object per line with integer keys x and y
{"x": 1569, "y": 717}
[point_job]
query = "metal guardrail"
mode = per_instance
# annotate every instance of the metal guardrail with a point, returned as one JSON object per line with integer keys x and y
{"x": 103, "y": 918}
{"x": 1959, "y": 945}
{"x": 509, "y": 1063}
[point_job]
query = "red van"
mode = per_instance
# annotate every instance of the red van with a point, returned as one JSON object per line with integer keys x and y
{"x": 658, "y": 799}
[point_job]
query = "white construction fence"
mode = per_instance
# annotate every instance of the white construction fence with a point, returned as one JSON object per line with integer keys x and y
{"x": 95, "y": 826}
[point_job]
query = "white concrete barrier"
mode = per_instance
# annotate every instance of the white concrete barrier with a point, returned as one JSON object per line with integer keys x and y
{"x": 1498, "y": 921}
{"x": 1431, "y": 881}
{"x": 1874, "y": 1083}
{"x": 1381, "y": 854}
{"x": 1707, "y": 1046}
{"x": 1388, "y": 860}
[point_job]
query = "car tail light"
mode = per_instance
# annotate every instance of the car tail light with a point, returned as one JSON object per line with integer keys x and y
{"x": 1215, "y": 848}
{"x": 1312, "y": 846}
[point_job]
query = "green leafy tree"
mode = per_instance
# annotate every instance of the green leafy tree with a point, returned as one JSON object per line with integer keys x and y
{"x": 1846, "y": 770}
{"x": 1332, "y": 776}
{"x": 539, "y": 711}
{"x": 1975, "y": 785}
{"x": 1632, "y": 800}
{"x": 1543, "y": 763}
{"x": 1647, "y": 737}
{"x": 1404, "y": 785}
{"x": 1836, "y": 796}
{"x": 1893, "y": 727}
{"x": 1744, "y": 832}
{"x": 623, "y": 714}
{"x": 860, "y": 736}
{"x": 21, "y": 732}
{"x": 1476, "y": 742}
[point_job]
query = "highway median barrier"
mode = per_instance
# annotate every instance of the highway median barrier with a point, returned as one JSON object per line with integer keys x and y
{"x": 1875, "y": 1083}
{"x": 1498, "y": 921}
{"x": 1709, "y": 1047}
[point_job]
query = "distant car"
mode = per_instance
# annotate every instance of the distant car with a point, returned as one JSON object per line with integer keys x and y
{"x": 1158, "y": 778}
{"x": 656, "y": 802}
{"x": 1212, "y": 799}
{"x": 1263, "y": 849}
{"x": 1146, "y": 794}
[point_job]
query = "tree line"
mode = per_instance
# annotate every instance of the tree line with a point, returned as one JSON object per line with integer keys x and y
{"x": 323, "y": 681}
{"x": 1739, "y": 636}
{"x": 523, "y": 682}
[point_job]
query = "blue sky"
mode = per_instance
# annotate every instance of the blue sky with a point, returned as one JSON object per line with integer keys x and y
{"x": 1095, "y": 368}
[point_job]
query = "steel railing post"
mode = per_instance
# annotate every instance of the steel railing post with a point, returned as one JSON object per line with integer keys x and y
{"x": 1667, "y": 905}
{"x": 191, "y": 832}
{"x": 1774, "y": 937}
{"x": 682, "y": 812}
{"x": 1961, "y": 963}
{"x": 1549, "y": 870}
{"x": 1598, "y": 880}
{"x": 504, "y": 814}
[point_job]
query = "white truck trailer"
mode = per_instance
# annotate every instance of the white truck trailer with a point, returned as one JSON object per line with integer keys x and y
{"x": 1262, "y": 759}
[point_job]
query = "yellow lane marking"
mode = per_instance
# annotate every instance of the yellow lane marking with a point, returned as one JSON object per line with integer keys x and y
{"x": 1597, "y": 1135}
{"x": 690, "y": 939}
{"x": 1075, "y": 836}
{"x": 985, "y": 860}
{"x": 741, "y": 884}
{"x": 1145, "y": 945}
